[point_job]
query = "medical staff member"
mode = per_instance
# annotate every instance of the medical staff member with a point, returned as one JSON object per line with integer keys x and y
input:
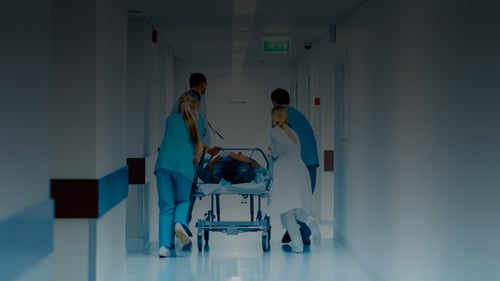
{"x": 291, "y": 195}
{"x": 309, "y": 151}
{"x": 198, "y": 85}
{"x": 180, "y": 151}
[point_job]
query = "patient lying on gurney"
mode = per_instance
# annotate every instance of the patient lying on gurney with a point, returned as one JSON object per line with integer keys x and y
{"x": 229, "y": 167}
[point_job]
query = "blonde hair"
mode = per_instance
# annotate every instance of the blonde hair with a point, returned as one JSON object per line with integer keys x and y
{"x": 279, "y": 117}
{"x": 188, "y": 104}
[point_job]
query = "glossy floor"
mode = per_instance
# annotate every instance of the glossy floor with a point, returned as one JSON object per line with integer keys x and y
{"x": 240, "y": 258}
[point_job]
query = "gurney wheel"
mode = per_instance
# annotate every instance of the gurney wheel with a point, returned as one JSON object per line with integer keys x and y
{"x": 266, "y": 239}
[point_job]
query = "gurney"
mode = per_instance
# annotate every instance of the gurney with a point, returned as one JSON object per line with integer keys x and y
{"x": 257, "y": 190}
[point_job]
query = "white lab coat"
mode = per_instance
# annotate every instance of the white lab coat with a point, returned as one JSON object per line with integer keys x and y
{"x": 291, "y": 186}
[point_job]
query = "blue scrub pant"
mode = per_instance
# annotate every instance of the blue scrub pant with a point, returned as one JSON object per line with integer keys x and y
{"x": 312, "y": 175}
{"x": 173, "y": 201}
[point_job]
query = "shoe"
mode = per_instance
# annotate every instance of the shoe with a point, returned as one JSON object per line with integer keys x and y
{"x": 163, "y": 252}
{"x": 182, "y": 235}
{"x": 286, "y": 238}
{"x": 315, "y": 233}
{"x": 189, "y": 233}
{"x": 297, "y": 249}
{"x": 305, "y": 233}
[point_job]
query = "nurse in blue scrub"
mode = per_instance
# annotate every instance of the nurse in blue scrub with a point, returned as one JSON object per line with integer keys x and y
{"x": 179, "y": 153}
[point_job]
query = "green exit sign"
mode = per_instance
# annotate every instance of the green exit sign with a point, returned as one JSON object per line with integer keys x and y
{"x": 276, "y": 46}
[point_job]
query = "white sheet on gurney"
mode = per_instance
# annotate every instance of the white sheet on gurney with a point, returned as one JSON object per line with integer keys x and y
{"x": 258, "y": 185}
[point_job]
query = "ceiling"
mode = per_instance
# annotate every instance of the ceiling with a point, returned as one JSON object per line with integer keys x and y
{"x": 229, "y": 33}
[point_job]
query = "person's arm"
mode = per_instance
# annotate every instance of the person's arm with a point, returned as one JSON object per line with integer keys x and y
{"x": 211, "y": 164}
{"x": 214, "y": 150}
{"x": 278, "y": 145}
{"x": 202, "y": 131}
{"x": 243, "y": 158}
{"x": 198, "y": 152}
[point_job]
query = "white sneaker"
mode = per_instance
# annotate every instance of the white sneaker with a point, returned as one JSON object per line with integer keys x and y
{"x": 163, "y": 252}
{"x": 297, "y": 249}
{"x": 315, "y": 233}
{"x": 182, "y": 235}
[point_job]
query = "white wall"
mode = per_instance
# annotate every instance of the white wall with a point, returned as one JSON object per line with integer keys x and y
{"x": 67, "y": 265}
{"x": 239, "y": 107}
{"x": 74, "y": 113}
{"x": 24, "y": 107}
{"x": 25, "y": 61}
{"x": 314, "y": 79}
{"x": 111, "y": 86}
{"x": 90, "y": 91}
{"x": 89, "y": 139}
{"x": 323, "y": 83}
{"x": 110, "y": 242}
{"x": 151, "y": 95}
{"x": 90, "y": 249}
{"x": 136, "y": 86}
{"x": 418, "y": 188}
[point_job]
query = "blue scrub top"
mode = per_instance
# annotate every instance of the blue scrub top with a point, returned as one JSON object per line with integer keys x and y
{"x": 205, "y": 136}
{"x": 177, "y": 148}
{"x": 299, "y": 123}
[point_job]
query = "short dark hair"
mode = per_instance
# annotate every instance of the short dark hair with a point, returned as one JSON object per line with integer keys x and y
{"x": 280, "y": 96}
{"x": 196, "y": 79}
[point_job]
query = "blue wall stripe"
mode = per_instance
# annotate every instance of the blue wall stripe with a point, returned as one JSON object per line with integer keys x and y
{"x": 113, "y": 188}
{"x": 26, "y": 238}
{"x": 89, "y": 198}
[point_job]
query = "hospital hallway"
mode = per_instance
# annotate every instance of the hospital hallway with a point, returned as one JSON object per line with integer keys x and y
{"x": 402, "y": 98}
{"x": 240, "y": 257}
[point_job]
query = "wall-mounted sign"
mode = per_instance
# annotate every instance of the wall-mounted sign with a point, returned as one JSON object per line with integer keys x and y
{"x": 276, "y": 46}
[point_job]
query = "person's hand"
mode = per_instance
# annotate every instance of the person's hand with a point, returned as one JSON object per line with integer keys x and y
{"x": 214, "y": 150}
{"x": 204, "y": 146}
{"x": 212, "y": 163}
{"x": 239, "y": 156}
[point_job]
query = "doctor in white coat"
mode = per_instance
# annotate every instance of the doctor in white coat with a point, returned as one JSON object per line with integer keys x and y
{"x": 291, "y": 196}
